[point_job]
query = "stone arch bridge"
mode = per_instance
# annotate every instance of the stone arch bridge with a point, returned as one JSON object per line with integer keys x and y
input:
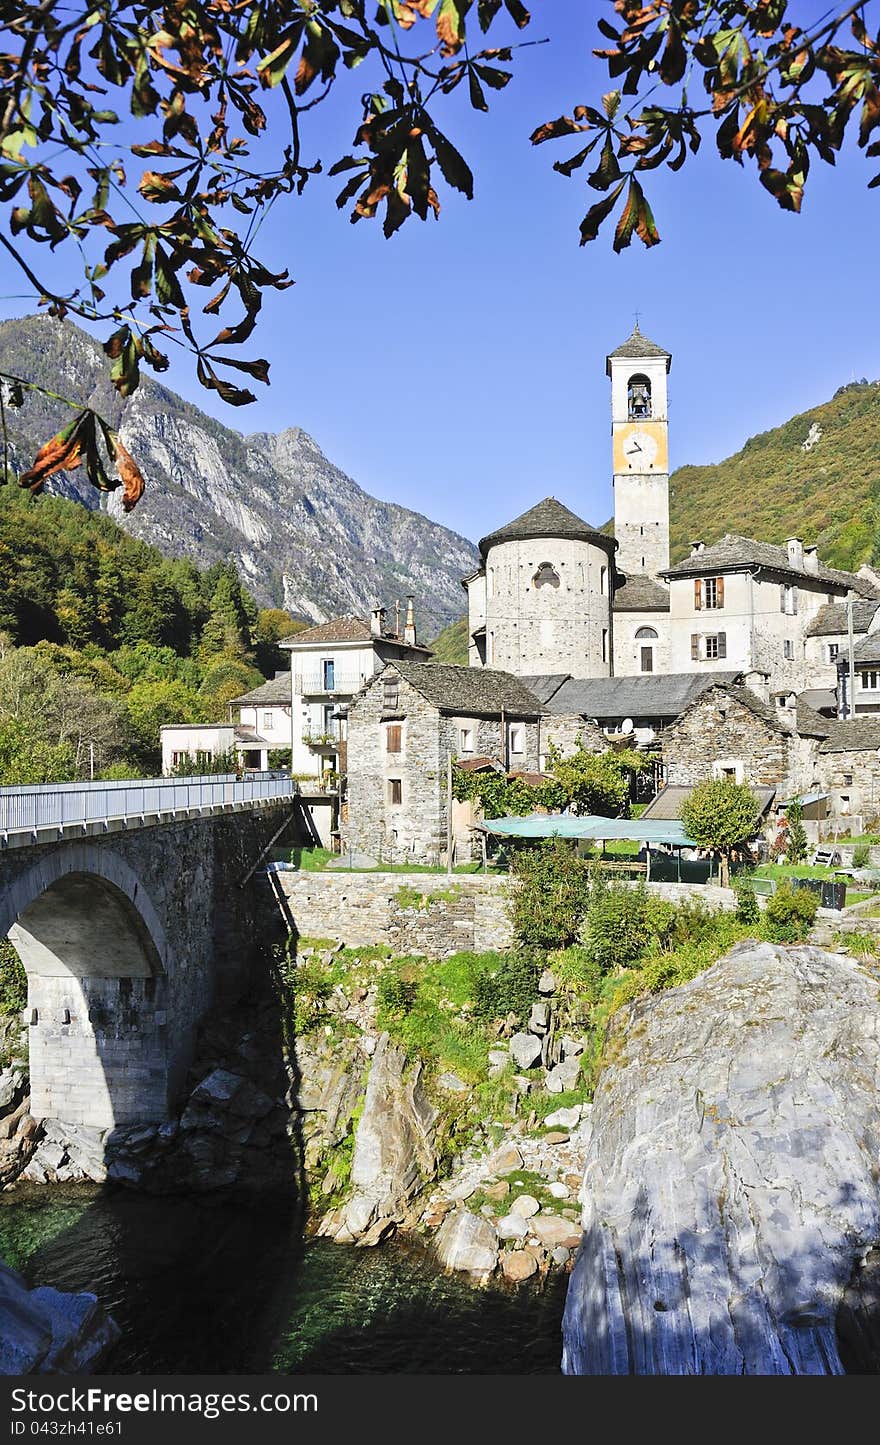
{"x": 133, "y": 909}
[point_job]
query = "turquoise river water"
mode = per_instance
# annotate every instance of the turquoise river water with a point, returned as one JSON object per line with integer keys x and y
{"x": 232, "y": 1288}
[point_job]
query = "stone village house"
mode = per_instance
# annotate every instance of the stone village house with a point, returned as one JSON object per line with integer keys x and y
{"x": 402, "y": 728}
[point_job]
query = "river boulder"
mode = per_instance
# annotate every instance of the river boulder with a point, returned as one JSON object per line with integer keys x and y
{"x": 730, "y": 1191}
{"x": 47, "y": 1332}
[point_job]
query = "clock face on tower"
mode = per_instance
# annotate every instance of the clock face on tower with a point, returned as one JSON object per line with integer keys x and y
{"x": 640, "y": 450}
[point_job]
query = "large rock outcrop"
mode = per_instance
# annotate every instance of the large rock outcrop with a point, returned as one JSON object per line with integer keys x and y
{"x": 47, "y": 1332}
{"x": 731, "y": 1187}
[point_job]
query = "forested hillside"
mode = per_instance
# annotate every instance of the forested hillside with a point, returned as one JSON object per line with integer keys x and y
{"x": 817, "y": 477}
{"x": 102, "y": 640}
{"x": 452, "y": 643}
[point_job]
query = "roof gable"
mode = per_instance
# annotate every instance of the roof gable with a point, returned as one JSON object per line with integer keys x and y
{"x": 733, "y": 553}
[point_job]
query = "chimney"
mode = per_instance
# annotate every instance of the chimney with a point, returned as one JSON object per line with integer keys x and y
{"x": 377, "y": 622}
{"x": 697, "y": 547}
{"x": 795, "y": 548}
{"x": 811, "y": 560}
{"x": 409, "y": 631}
{"x": 397, "y": 617}
{"x": 759, "y": 684}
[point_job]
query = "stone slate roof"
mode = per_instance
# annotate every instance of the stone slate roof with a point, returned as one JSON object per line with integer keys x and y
{"x": 868, "y": 650}
{"x": 276, "y": 690}
{"x": 640, "y": 594}
{"x": 637, "y": 346}
{"x": 861, "y": 734}
{"x": 546, "y": 684}
{"x": 348, "y": 629}
{"x": 808, "y": 722}
{"x": 338, "y": 629}
{"x": 649, "y": 695}
{"x": 548, "y": 519}
{"x": 756, "y": 705}
{"x": 830, "y": 620}
{"x": 668, "y": 801}
{"x": 470, "y": 691}
{"x": 732, "y": 553}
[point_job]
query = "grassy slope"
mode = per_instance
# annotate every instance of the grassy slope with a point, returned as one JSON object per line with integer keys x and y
{"x": 773, "y": 489}
{"x": 452, "y": 644}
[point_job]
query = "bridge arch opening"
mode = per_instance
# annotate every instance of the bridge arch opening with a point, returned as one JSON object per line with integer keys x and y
{"x": 94, "y": 954}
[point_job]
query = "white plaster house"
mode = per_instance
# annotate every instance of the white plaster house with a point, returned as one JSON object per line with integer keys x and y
{"x": 266, "y": 711}
{"x": 329, "y": 664}
{"x": 748, "y": 605}
{"x": 202, "y": 742}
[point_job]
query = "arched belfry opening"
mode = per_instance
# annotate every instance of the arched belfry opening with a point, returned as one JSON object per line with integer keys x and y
{"x": 96, "y": 1013}
{"x": 638, "y": 396}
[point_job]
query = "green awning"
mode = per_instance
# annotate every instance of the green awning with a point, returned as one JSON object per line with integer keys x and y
{"x": 561, "y": 825}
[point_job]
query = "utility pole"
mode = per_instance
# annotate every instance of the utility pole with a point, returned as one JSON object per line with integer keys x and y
{"x": 449, "y": 843}
{"x": 852, "y": 665}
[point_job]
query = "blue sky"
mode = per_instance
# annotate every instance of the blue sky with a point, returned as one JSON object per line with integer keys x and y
{"x": 460, "y": 367}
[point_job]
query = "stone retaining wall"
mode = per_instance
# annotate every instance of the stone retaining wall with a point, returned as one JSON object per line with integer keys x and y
{"x": 426, "y": 912}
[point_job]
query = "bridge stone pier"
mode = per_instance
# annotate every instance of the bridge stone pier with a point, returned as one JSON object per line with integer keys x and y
{"x": 128, "y": 936}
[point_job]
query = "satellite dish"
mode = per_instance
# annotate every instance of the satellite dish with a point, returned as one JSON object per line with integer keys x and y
{"x": 627, "y": 725}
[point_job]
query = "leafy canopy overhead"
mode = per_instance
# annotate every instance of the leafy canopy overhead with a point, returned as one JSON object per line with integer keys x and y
{"x": 153, "y": 140}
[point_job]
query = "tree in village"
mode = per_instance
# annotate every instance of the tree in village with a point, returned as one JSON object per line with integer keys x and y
{"x": 796, "y": 850}
{"x": 151, "y": 141}
{"x": 721, "y": 815}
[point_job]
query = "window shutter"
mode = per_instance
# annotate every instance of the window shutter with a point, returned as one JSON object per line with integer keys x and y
{"x": 722, "y": 644}
{"x": 782, "y": 598}
{"x": 695, "y": 646}
{"x": 719, "y": 592}
{"x": 698, "y": 593}
{"x": 794, "y": 599}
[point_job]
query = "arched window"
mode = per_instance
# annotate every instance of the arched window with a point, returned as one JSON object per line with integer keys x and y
{"x": 639, "y": 398}
{"x": 646, "y": 637}
{"x": 546, "y": 576}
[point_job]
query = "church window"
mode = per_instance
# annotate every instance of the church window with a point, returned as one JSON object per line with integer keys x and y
{"x": 546, "y": 576}
{"x": 647, "y": 632}
{"x": 604, "y": 644}
{"x": 639, "y": 398}
{"x": 647, "y": 636}
{"x": 603, "y": 581}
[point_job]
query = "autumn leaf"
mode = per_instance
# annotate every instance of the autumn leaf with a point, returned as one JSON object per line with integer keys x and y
{"x": 62, "y": 453}
{"x": 129, "y": 472}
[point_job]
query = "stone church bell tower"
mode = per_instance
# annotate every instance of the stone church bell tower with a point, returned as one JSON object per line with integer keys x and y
{"x": 639, "y": 424}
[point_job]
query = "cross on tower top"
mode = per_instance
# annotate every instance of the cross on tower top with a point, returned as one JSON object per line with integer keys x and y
{"x": 637, "y": 315}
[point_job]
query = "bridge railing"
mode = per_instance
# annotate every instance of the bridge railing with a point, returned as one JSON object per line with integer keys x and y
{"x": 59, "y": 805}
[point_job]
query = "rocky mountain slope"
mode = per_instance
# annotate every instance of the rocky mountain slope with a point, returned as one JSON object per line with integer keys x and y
{"x": 816, "y": 477}
{"x": 303, "y": 534}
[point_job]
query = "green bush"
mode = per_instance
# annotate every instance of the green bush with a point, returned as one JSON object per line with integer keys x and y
{"x": 510, "y": 988}
{"x": 790, "y": 913}
{"x": 13, "y": 980}
{"x": 661, "y": 917}
{"x": 861, "y": 855}
{"x": 551, "y": 901}
{"x": 618, "y": 928}
{"x": 747, "y": 909}
{"x": 395, "y": 995}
